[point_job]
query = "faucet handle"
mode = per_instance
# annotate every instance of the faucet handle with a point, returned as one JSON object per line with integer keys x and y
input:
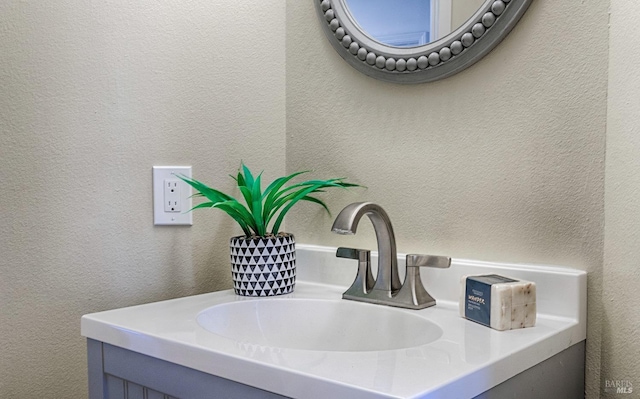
{"x": 364, "y": 281}
{"x": 413, "y": 294}
{"x": 353, "y": 253}
{"x": 417, "y": 260}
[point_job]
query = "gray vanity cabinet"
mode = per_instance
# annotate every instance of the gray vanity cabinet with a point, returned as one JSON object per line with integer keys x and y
{"x": 116, "y": 373}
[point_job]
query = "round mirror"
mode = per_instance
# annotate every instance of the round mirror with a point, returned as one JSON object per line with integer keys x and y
{"x": 410, "y": 23}
{"x": 416, "y": 41}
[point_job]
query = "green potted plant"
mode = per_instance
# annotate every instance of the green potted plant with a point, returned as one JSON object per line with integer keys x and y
{"x": 263, "y": 260}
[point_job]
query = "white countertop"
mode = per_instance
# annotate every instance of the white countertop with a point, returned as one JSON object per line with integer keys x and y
{"x": 465, "y": 361}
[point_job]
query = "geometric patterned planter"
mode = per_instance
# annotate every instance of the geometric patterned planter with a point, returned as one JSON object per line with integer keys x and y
{"x": 263, "y": 266}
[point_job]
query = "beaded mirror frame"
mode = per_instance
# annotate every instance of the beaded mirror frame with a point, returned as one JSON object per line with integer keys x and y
{"x": 440, "y": 59}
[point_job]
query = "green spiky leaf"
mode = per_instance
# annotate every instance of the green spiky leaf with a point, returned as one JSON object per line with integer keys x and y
{"x": 263, "y": 207}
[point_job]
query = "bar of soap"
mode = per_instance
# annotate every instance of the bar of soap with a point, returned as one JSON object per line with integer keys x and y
{"x": 499, "y": 302}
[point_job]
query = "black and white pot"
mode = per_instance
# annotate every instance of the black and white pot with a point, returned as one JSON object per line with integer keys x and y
{"x": 263, "y": 266}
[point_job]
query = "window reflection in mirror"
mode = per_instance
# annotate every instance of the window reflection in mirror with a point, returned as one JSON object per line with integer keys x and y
{"x": 411, "y": 23}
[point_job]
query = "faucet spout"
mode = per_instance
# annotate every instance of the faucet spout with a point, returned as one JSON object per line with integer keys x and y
{"x": 387, "y": 281}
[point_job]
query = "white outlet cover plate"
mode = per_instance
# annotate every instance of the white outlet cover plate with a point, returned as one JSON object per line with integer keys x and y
{"x": 162, "y": 217}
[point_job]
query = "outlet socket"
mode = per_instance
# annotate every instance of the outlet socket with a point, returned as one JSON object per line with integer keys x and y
{"x": 171, "y": 196}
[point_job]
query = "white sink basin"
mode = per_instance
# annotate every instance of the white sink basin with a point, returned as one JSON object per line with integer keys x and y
{"x": 311, "y": 344}
{"x": 318, "y": 325}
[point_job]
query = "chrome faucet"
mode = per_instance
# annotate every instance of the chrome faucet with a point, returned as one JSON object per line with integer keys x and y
{"x": 386, "y": 289}
{"x": 388, "y": 282}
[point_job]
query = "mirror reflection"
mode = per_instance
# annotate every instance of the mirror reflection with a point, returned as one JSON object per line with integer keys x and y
{"x": 411, "y": 23}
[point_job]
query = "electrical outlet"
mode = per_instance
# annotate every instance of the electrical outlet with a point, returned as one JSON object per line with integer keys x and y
{"x": 171, "y": 196}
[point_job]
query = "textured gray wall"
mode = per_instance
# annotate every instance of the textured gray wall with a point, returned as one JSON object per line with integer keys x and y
{"x": 621, "y": 319}
{"x": 93, "y": 94}
{"x": 504, "y": 161}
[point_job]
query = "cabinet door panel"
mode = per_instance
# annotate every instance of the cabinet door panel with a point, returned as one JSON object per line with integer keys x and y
{"x": 134, "y": 391}
{"x": 115, "y": 388}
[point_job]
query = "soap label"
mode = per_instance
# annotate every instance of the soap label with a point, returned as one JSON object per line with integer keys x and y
{"x": 478, "y": 297}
